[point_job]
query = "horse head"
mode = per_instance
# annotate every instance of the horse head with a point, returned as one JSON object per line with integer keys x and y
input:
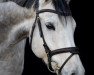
{"x": 53, "y": 37}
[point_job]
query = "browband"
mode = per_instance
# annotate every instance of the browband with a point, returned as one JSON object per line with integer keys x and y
{"x": 49, "y": 10}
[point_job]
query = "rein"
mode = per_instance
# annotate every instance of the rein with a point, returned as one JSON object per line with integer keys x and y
{"x": 49, "y": 52}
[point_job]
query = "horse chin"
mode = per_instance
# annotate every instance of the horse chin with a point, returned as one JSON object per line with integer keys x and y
{"x": 72, "y": 67}
{"x": 79, "y": 71}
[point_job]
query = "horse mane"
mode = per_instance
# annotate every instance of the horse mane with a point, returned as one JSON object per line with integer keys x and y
{"x": 23, "y": 3}
{"x": 62, "y": 6}
{"x": 36, "y": 4}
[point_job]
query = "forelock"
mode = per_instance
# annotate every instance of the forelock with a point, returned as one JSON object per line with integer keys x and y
{"x": 47, "y": 1}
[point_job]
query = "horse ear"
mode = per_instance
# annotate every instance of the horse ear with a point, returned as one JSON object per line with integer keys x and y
{"x": 68, "y": 1}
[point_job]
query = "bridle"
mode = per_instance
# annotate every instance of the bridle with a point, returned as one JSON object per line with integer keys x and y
{"x": 49, "y": 52}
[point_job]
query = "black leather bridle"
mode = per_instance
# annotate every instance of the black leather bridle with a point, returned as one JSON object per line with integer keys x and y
{"x": 50, "y": 53}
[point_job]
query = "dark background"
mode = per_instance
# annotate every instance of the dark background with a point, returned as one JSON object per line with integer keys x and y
{"x": 82, "y": 13}
{"x": 83, "y": 39}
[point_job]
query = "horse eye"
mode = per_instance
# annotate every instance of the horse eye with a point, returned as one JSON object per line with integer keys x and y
{"x": 50, "y": 26}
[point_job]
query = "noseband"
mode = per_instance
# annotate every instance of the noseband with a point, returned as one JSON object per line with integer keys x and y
{"x": 49, "y": 52}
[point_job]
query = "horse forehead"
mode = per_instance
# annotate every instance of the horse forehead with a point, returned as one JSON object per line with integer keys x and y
{"x": 47, "y": 16}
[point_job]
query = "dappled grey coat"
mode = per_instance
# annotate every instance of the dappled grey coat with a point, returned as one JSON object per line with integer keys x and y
{"x": 12, "y": 43}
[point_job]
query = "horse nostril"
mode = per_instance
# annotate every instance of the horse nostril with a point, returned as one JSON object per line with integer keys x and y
{"x": 73, "y": 74}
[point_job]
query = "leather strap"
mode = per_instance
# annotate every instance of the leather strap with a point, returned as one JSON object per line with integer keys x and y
{"x": 73, "y": 50}
{"x": 49, "y": 10}
{"x": 59, "y": 71}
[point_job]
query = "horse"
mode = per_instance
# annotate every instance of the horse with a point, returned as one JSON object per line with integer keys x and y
{"x": 51, "y": 39}
{"x": 15, "y": 25}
